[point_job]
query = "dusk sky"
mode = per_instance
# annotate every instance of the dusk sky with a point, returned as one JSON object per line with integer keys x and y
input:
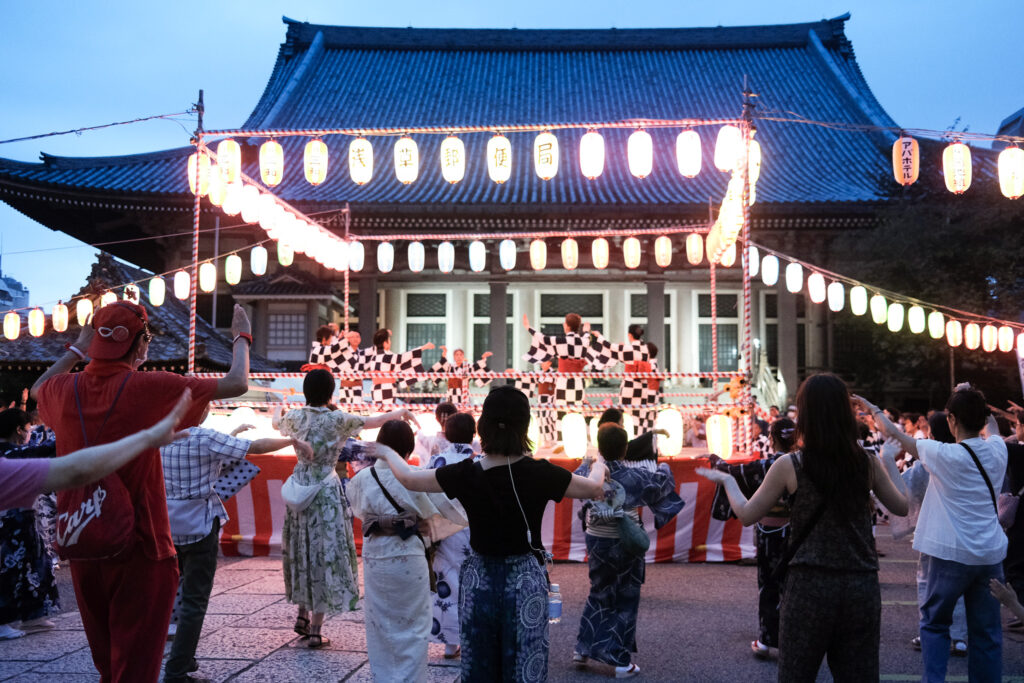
{"x": 74, "y": 64}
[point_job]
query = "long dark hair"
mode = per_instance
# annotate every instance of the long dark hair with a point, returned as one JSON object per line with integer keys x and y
{"x": 833, "y": 461}
{"x": 504, "y": 420}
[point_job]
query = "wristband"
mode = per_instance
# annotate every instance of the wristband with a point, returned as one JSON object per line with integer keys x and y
{"x": 242, "y": 335}
{"x": 74, "y": 349}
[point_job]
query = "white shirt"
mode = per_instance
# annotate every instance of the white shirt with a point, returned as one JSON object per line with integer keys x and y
{"x": 958, "y": 521}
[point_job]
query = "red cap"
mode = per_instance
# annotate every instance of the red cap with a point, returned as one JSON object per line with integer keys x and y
{"x": 116, "y": 324}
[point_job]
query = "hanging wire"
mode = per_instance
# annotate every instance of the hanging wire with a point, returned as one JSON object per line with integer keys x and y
{"x": 105, "y": 125}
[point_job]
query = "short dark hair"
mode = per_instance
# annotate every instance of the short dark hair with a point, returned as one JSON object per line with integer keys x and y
{"x": 652, "y": 349}
{"x": 460, "y": 428}
{"x": 318, "y": 387}
{"x": 397, "y": 434}
{"x": 573, "y": 321}
{"x": 323, "y": 333}
{"x": 612, "y": 441}
{"x": 636, "y": 331}
{"x": 504, "y": 421}
{"x": 610, "y": 415}
{"x": 444, "y": 410}
{"x": 10, "y": 420}
{"x": 783, "y": 434}
{"x": 969, "y": 407}
{"x": 940, "y": 428}
{"x": 380, "y": 336}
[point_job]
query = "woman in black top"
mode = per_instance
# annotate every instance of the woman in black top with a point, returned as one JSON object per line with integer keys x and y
{"x": 503, "y": 600}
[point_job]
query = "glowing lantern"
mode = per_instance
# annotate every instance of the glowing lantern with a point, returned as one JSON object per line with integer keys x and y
{"x": 59, "y": 317}
{"x": 356, "y": 256}
{"x": 258, "y": 260}
{"x": 858, "y": 300}
{"x": 12, "y": 325}
{"x": 453, "y": 159}
{"x": 719, "y": 433}
{"x": 972, "y": 336}
{"x": 663, "y": 251}
{"x": 532, "y": 433}
{"x": 229, "y": 160}
{"x": 728, "y": 258}
{"x": 1005, "y": 338}
{"x": 107, "y": 298}
{"x": 629, "y": 425}
{"x": 640, "y": 153}
{"x": 906, "y": 160}
{"x": 407, "y": 160}
{"x": 936, "y": 325}
{"x": 207, "y": 276}
{"x": 416, "y": 256}
{"x": 314, "y": 159}
{"x": 694, "y": 248}
{"x": 956, "y": 166}
{"x": 753, "y": 261}
{"x": 477, "y": 256}
{"x": 545, "y": 155}
{"x": 816, "y": 287}
{"x": 83, "y": 311}
{"x": 232, "y": 269}
{"x": 989, "y": 338}
{"x": 36, "y": 322}
{"x": 1011, "y": 172}
{"x": 157, "y": 291}
{"x": 574, "y": 435}
{"x": 499, "y": 158}
{"x": 360, "y": 161}
{"x": 570, "y": 254}
{"x": 385, "y": 257}
{"x": 593, "y": 430}
{"x": 232, "y": 204}
{"x": 727, "y": 148}
{"x": 916, "y": 319}
{"x": 599, "y": 253}
{"x": 507, "y": 254}
{"x": 631, "y": 252}
{"x": 671, "y": 421}
{"x": 538, "y": 254}
{"x": 954, "y": 333}
{"x": 794, "y": 277}
{"x": 199, "y": 163}
{"x": 271, "y": 163}
{"x": 592, "y": 155}
{"x": 182, "y": 284}
{"x": 218, "y": 188}
{"x": 894, "y": 317}
{"x": 688, "y": 153}
{"x": 836, "y": 295}
{"x": 770, "y": 270}
{"x": 879, "y": 309}
{"x": 250, "y": 204}
{"x": 445, "y": 257}
{"x": 285, "y": 254}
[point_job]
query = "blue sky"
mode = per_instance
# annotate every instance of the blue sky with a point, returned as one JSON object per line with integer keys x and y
{"x": 71, "y": 64}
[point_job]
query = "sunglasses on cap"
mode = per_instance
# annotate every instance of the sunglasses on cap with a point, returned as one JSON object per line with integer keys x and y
{"x": 120, "y": 333}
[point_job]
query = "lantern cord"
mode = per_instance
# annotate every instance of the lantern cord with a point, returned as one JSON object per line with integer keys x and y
{"x": 79, "y": 131}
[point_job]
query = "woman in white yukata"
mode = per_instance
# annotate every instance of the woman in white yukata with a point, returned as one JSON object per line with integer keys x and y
{"x": 396, "y": 579}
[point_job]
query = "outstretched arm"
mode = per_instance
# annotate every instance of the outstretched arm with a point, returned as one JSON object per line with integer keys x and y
{"x": 886, "y": 426}
{"x": 412, "y": 479}
{"x": 68, "y": 361}
{"x": 400, "y": 414}
{"x": 781, "y": 477}
{"x": 236, "y": 381}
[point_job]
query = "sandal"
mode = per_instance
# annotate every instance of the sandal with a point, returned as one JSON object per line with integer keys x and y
{"x": 316, "y": 640}
{"x": 302, "y": 626}
{"x": 958, "y": 648}
{"x": 760, "y": 650}
{"x": 627, "y": 671}
{"x": 579, "y": 660}
{"x": 453, "y": 655}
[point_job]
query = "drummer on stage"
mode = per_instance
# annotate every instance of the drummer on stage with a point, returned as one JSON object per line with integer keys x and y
{"x": 458, "y": 385}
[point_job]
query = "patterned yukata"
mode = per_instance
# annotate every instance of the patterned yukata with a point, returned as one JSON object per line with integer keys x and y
{"x": 636, "y": 393}
{"x": 608, "y": 626}
{"x": 574, "y": 352}
{"x": 340, "y": 357}
{"x": 317, "y": 546}
{"x": 458, "y": 387}
{"x": 385, "y": 388}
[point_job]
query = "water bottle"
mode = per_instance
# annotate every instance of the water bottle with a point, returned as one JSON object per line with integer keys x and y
{"x": 554, "y": 604}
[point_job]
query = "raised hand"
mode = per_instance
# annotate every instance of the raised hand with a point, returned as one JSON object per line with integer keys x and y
{"x": 486, "y": 355}
{"x": 302, "y": 449}
{"x": 242, "y": 428}
{"x": 163, "y": 433}
{"x": 240, "y": 322}
{"x": 427, "y": 346}
{"x": 526, "y": 321}
{"x": 444, "y": 351}
{"x": 716, "y": 476}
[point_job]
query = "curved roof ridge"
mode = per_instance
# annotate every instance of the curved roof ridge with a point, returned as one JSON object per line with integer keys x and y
{"x": 54, "y": 161}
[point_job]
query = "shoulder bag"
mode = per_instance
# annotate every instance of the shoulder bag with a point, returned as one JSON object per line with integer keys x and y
{"x": 428, "y": 550}
{"x": 988, "y": 483}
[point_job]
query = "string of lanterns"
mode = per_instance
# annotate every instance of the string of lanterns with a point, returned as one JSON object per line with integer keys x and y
{"x": 957, "y": 166}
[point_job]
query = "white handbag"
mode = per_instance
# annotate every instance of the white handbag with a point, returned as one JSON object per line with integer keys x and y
{"x": 298, "y": 496}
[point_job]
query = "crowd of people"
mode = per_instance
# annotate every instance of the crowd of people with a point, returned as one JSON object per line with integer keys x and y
{"x": 452, "y": 549}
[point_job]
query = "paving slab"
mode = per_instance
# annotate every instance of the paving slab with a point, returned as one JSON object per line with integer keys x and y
{"x": 42, "y": 677}
{"x": 43, "y": 647}
{"x": 262, "y": 563}
{"x": 247, "y": 603}
{"x": 303, "y": 666}
{"x": 78, "y": 662}
{"x": 9, "y": 669}
{"x": 243, "y": 643}
{"x": 265, "y": 585}
{"x": 228, "y": 580}
{"x": 220, "y": 670}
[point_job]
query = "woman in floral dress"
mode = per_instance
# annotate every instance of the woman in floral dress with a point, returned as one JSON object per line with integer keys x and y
{"x": 317, "y": 545}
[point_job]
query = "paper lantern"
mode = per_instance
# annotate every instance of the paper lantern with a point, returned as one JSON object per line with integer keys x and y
{"x": 507, "y": 254}
{"x": 956, "y": 167}
{"x": 1011, "y": 172}
{"x": 271, "y": 163}
{"x": 453, "y": 159}
{"x": 232, "y": 204}
{"x": 199, "y": 163}
{"x": 570, "y": 254}
{"x": 157, "y": 291}
{"x": 688, "y": 153}
{"x": 794, "y": 277}
{"x": 599, "y": 253}
{"x": 879, "y": 309}
{"x": 574, "y": 435}
{"x": 83, "y": 311}
{"x": 719, "y": 433}
{"x": 836, "y": 295}
{"x": 446, "y": 257}
{"x": 407, "y": 160}
{"x": 592, "y": 155}
{"x": 916, "y": 319}
{"x": 250, "y": 204}
{"x": 671, "y": 421}
{"x": 640, "y": 153}
{"x": 314, "y": 159}
{"x": 499, "y": 158}
{"x": 592, "y": 429}
{"x": 954, "y": 333}
{"x": 906, "y": 160}
{"x": 663, "y": 251}
{"x": 538, "y": 254}
{"x": 272, "y": 216}
{"x": 416, "y": 256}
{"x": 631, "y": 252}
{"x": 36, "y": 322}
{"x": 12, "y": 325}
{"x": 258, "y": 260}
{"x": 477, "y": 256}
{"x": 533, "y": 434}
{"x": 728, "y": 257}
{"x": 59, "y": 317}
{"x": 131, "y": 293}
{"x": 753, "y": 261}
{"x": 816, "y": 288}
{"x": 727, "y": 148}
{"x": 285, "y": 254}
{"x": 858, "y": 300}
{"x": 629, "y": 424}
{"x": 972, "y": 336}
{"x": 1005, "y": 338}
{"x": 339, "y": 255}
{"x": 936, "y": 325}
{"x": 182, "y": 284}
{"x": 385, "y": 257}
{"x": 107, "y": 298}
{"x": 694, "y": 248}
{"x": 356, "y": 256}
{"x": 229, "y": 160}
{"x": 989, "y": 338}
{"x": 218, "y": 188}
{"x": 360, "y": 161}
{"x": 894, "y": 317}
{"x": 232, "y": 269}
{"x": 545, "y": 155}
{"x": 770, "y": 270}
